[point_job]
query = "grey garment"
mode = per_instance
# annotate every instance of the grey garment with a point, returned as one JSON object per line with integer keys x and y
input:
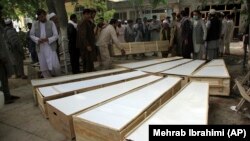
{"x": 106, "y": 60}
{"x": 199, "y": 32}
{"x": 49, "y": 33}
{"x": 198, "y": 55}
{"x": 16, "y": 50}
{"x": 212, "y": 49}
{"x": 154, "y": 29}
{"x": 129, "y": 34}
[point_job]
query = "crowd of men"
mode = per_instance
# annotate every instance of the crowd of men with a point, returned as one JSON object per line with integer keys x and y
{"x": 189, "y": 36}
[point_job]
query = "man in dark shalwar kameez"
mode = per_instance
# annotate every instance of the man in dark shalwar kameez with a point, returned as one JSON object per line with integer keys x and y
{"x": 86, "y": 41}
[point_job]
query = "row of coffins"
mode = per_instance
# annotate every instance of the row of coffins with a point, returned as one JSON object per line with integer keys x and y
{"x": 120, "y": 105}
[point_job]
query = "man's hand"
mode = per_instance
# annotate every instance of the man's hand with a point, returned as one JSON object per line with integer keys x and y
{"x": 89, "y": 48}
{"x": 186, "y": 42}
{"x": 43, "y": 40}
{"x": 123, "y": 52}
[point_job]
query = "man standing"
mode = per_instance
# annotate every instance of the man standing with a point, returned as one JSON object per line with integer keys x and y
{"x": 186, "y": 35}
{"x": 16, "y": 48}
{"x": 229, "y": 34}
{"x": 155, "y": 28}
{"x": 44, "y": 34}
{"x": 106, "y": 35}
{"x": 31, "y": 45}
{"x": 86, "y": 41}
{"x": 6, "y": 69}
{"x": 199, "y": 35}
{"x": 213, "y": 35}
{"x": 73, "y": 51}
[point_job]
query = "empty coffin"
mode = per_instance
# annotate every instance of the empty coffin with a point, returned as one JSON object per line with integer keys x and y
{"x": 217, "y": 77}
{"x": 60, "y": 111}
{"x": 57, "y": 91}
{"x": 113, "y": 120}
{"x": 164, "y": 66}
{"x": 185, "y": 70}
{"x": 140, "y": 64}
{"x": 216, "y": 62}
{"x": 188, "y": 107}
{"x": 36, "y": 83}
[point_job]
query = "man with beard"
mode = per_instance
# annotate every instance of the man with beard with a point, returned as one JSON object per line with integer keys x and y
{"x": 44, "y": 34}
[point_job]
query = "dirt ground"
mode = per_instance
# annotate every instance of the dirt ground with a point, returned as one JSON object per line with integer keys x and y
{"x": 23, "y": 121}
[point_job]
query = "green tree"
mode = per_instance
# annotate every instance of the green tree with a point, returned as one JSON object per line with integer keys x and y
{"x": 15, "y": 8}
{"x": 138, "y": 5}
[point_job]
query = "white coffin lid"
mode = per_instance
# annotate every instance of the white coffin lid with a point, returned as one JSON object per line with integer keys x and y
{"x": 216, "y": 62}
{"x": 146, "y": 63}
{"x": 212, "y": 71}
{"x": 72, "y": 104}
{"x": 118, "y": 113}
{"x": 164, "y": 66}
{"x": 68, "y": 87}
{"x": 40, "y": 82}
{"x": 188, "y": 107}
{"x": 185, "y": 69}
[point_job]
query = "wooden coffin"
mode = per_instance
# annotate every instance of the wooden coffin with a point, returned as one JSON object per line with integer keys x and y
{"x": 188, "y": 107}
{"x": 217, "y": 77}
{"x": 136, "y": 65}
{"x": 113, "y": 120}
{"x": 216, "y": 62}
{"x": 184, "y": 70}
{"x": 164, "y": 66}
{"x": 60, "y": 111}
{"x": 141, "y": 47}
{"x": 57, "y": 91}
{"x": 36, "y": 83}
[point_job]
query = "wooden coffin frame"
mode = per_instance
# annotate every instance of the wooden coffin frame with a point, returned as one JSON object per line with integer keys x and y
{"x": 141, "y": 64}
{"x": 37, "y": 83}
{"x": 86, "y": 130}
{"x": 42, "y": 99}
{"x": 185, "y": 78}
{"x": 140, "y": 47}
{"x": 64, "y": 122}
{"x": 166, "y": 104}
{"x": 153, "y": 69}
{"x": 218, "y": 86}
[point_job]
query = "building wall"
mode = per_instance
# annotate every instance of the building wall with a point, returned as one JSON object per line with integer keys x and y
{"x": 178, "y": 5}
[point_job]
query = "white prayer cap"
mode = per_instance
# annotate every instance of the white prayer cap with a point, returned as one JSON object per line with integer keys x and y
{"x": 51, "y": 15}
{"x": 7, "y": 21}
{"x": 212, "y": 11}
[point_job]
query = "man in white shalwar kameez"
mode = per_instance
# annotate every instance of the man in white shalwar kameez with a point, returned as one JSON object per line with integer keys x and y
{"x": 44, "y": 34}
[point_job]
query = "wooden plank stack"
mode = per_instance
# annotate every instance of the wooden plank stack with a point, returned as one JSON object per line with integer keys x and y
{"x": 113, "y": 120}
{"x": 188, "y": 107}
{"x": 60, "y": 111}
{"x": 141, "y": 47}
{"x": 216, "y": 73}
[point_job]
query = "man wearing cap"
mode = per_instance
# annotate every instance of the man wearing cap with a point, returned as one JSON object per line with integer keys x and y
{"x": 106, "y": 35}
{"x": 15, "y": 47}
{"x": 44, "y": 34}
{"x": 6, "y": 69}
{"x": 213, "y": 35}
